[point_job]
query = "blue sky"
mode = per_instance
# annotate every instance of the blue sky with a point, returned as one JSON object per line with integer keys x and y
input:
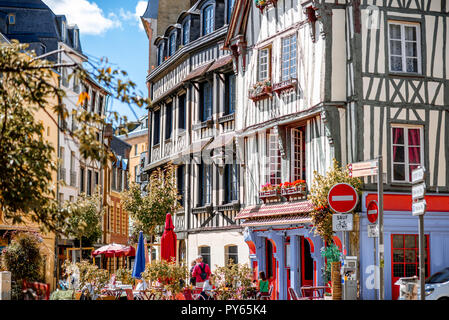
{"x": 112, "y": 29}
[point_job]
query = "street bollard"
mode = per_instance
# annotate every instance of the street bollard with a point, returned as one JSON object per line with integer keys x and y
{"x": 5, "y": 285}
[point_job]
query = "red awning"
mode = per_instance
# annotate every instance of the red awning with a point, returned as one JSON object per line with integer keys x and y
{"x": 276, "y": 209}
{"x": 115, "y": 250}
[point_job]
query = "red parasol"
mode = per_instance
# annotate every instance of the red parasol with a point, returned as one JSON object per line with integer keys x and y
{"x": 168, "y": 240}
{"x": 115, "y": 250}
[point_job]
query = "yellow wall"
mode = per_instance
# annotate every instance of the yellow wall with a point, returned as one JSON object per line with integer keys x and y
{"x": 142, "y": 145}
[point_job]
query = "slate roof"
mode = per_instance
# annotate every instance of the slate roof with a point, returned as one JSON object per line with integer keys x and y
{"x": 119, "y": 147}
{"x": 152, "y": 9}
{"x": 36, "y": 24}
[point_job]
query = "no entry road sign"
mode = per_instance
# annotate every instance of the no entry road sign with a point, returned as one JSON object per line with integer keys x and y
{"x": 372, "y": 211}
{"x": 342, "y": 198}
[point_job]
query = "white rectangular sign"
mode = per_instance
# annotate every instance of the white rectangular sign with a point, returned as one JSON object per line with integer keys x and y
{"x": 363, "y": 169}
{"x": 373, "y": 230}
{"x": 418, "y": 191}
{"x": 342, "y": 222}
{"x": 419, "y": 208}
{"x": 418, "y": 175}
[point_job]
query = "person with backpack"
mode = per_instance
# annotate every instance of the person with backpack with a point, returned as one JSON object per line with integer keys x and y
{"x": 201, "y": 272}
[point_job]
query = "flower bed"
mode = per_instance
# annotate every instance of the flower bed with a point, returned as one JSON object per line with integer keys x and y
{"x": 260, "y": 91}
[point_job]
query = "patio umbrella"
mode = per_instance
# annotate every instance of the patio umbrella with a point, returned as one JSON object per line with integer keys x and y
{"x": 115, "y": 250}
{"x": 139, "y": 263}
{"x": 168, "y": 240}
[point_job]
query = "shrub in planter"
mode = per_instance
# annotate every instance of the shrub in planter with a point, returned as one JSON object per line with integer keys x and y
{"x": 233, "y": 281}
{"x": 24, "y": 260}
{"x": 170, "y": 275}
{"x": 124, "y": 276}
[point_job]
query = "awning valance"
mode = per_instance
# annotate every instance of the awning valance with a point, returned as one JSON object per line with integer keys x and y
{"x": 276, "y": 221}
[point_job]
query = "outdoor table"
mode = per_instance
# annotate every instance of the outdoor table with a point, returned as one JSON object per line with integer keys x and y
{"x": 309, "y": 292}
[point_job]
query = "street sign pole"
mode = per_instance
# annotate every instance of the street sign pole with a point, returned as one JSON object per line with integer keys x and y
{"x": 380, "y": 202}
{"x": 419, "y": 209}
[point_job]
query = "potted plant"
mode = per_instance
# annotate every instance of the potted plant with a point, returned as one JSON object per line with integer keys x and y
{"x": 332, "y": 269}
{"x": 261, "y": 4}
{"x": 293, "y": 189}
{"x": 169, "y": 275}
{"x": 260, "y": 90}
{"x": 269, "y": 192}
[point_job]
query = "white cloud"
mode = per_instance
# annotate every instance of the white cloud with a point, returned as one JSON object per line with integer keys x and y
{"x": 86, "y": 14}
{"x": 140, "y": 10}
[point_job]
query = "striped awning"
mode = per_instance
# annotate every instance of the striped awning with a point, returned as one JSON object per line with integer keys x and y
{"x": 276, "y": 221}
{"x": 294, "y": 208}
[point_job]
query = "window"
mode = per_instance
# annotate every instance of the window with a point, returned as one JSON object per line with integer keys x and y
{"x": 274, "y": 159}
{"x": 89, "y": 182}
{"x": 230, "y": 93}
{"x": 206, "y": 101}
{"x": 119, "y": 179}
{"x": 136, "y": 175}
{"x": 168, "y": 120}
{"x": 288, "y": 58}
{"x": 72, "y": 161}
{"x": 231, "y": 4}
{"x": 172, "y": 47}
{"x": 298, "y": 153}
{"x": 160, "y": 54}
{"x": 100, "y": 104}
{"x": 182, "y": 112}
{"x": 407, "y": 151}
{"x": 114, "y": 178}
{"x": 180, "y": 183}
{"x": 136, "y": 149}
{"x": 231, "y": 253}
{"x": 205, "y": 253}
{"x": 405, "y": 47}
{"x": 82, "y": 170}
{"x": 406, "y": 255}
{"x": 231, "y": 182}
{"x": 208, "y": 20}
{"x": 186, "y": 32}
{"x": 264, "y": 64}
{"x": 63, "y": 31}
{"x": 205, "y": 184}
{"x": 157, "y": 127}
{"x": 11, "y": 18}
{"x": 94, "y": 97}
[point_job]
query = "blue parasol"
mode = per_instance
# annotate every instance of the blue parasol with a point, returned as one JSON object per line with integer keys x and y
{"x": 139, "y": 263}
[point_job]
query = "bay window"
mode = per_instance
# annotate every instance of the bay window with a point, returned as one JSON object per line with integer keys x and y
{"x": 407, "y": 149}
{"x": 206, "y": 101}
{"x": 208, "y": 19}
{"x": 274, "y": 159}
{"x": 264, "y": 64}
{"x": 186, "y": 32}
{"x": 172, "y": 46}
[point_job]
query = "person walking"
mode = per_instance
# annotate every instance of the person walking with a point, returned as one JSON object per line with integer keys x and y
{"x": 201, "y": 272}
{"x": 192, "y": 278}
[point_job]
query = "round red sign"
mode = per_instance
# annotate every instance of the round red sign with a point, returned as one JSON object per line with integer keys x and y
{"x": 342, "y": 198}
{"x": 372, "y": 211}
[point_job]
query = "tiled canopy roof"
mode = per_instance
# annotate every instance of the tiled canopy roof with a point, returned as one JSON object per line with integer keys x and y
{"x": 198, "y": 72}
{"x": 276, "y": 209}
{"x": 276, "y": 221}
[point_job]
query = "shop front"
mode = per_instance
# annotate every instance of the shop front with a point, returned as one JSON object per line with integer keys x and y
{"x": 401, "y": 248}
{"x": 283, "y": 245}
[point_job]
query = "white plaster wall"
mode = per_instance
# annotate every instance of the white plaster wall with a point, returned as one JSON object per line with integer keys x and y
{"x": 217, "y": 242}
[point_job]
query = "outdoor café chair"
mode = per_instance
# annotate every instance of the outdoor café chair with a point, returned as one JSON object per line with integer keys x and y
{"x": 267, "y": 296}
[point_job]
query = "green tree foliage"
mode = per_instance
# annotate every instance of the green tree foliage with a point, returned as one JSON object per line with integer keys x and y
{"x": 24, "y": 260}
{"x": 169, "y": 274}
{"x": 84, "y": 217}
{"x": 322, "y": 215}
{"x": 149, "y": 211}
{"x": 27, "y": 84}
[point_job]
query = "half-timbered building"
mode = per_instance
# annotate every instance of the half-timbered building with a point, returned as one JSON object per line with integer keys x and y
{"x": 192, "y": 123}
{"x": 350, "y": 80}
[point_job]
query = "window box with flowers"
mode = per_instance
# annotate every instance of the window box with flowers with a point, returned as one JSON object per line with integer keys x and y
{"x": 261, "y": 4}
{"x": 294, "y": 190}
{"x": 270, "y": 192}
{"x": 261, "y": 90}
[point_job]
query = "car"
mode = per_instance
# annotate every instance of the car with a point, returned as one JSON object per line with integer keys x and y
{"x": 437, "y": 286}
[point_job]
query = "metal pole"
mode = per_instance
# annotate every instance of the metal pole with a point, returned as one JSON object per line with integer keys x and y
{"x": 422, "y": 270}
{"x": 376, "y": 295}
{"x": 380, "y": 198}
